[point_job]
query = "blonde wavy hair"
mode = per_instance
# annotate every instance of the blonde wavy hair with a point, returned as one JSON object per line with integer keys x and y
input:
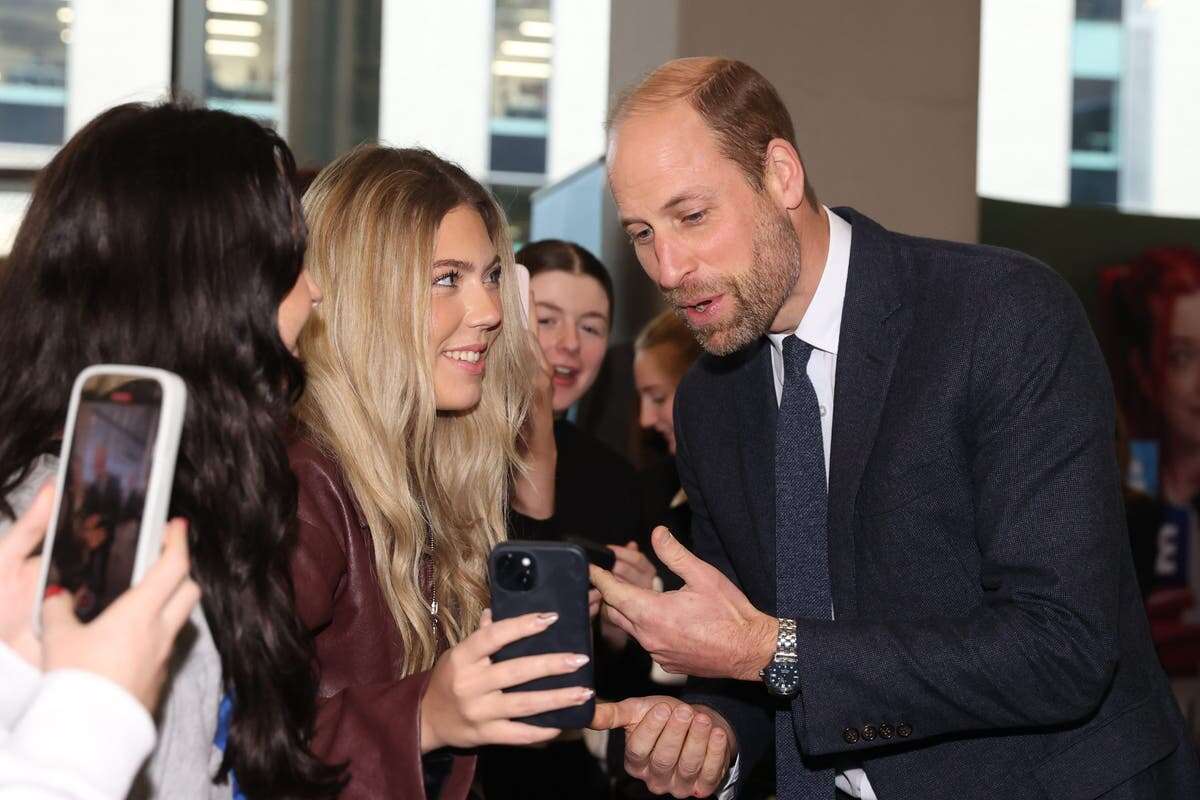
{"x": 373, "y": 217}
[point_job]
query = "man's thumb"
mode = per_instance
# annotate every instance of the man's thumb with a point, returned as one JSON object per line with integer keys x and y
{"x": 675, "y": 556}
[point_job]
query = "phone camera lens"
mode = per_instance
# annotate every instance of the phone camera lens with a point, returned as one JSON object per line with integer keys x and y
{"x": 516, "y": 571}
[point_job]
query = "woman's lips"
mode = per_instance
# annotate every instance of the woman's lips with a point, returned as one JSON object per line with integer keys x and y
{"x": 565, "y": 377}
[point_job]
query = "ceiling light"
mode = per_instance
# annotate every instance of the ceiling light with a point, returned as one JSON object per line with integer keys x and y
{"x": 246, "y": 8}
{"x": 231, "y": 47}
{"x": 533, "y": 29}
{"x": 233, "y": 27}
{"x": 519, "y": 49}
{"x": 521, "y": 69}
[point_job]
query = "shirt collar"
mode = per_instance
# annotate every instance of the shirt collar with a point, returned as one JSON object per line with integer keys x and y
{"x": 821, "y": 325}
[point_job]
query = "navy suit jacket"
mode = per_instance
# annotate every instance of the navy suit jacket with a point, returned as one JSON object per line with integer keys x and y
{"x": 989, "y": 638}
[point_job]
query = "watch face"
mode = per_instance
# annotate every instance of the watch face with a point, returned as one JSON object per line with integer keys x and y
{"x": 782, "y": 678}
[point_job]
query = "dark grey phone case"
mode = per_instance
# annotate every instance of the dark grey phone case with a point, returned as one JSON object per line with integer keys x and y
{"x": 561, "y": 585}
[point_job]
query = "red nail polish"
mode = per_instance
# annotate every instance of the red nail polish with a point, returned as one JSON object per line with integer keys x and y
{"x": 53, "y": 589}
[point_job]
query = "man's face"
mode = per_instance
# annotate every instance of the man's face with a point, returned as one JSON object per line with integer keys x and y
{"x": 725, "y": 255}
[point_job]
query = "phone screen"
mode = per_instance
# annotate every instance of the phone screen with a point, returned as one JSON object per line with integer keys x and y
{"x": 104, "y": 491}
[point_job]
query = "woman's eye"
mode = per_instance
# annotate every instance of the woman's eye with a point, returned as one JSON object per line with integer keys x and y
{"x": 593, "y": 330}
{"x": 546, "y": 322}
{"x": 446, "y": 279}
{"x": 493, "y": 277}
{"x": 640, "y": 236}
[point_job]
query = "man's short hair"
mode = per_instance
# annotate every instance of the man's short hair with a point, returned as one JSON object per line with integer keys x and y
{"x": 738, "y": 104}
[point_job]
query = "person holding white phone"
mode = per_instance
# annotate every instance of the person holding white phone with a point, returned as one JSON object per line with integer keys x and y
{"x": 170, "y": 237}
{"x": 75, "y": 714}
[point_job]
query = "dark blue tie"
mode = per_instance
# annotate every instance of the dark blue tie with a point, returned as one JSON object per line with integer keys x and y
{"x": 801, "y": 550}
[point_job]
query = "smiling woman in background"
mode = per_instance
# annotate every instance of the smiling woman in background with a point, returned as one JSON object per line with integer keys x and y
{"x": 595, "y": 487}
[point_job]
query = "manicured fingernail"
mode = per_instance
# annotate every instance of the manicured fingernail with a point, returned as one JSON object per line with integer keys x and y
{"x": 662, "y": 712}
{"x": 547, "y": 617}
{"x": 586, "y": 694}
{"x": 577, "y": 660}
{"x": 53, "y": 589}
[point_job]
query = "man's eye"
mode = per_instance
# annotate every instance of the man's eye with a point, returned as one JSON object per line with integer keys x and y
{"x": 694, "y": 217}
{"x": 640, "y": 236}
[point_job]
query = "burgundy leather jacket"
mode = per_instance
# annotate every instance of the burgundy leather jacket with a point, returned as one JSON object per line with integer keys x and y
{"x": 368, "y": 716}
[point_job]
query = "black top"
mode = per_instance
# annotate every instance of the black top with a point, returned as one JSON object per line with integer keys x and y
{"x": 596, "y": 493}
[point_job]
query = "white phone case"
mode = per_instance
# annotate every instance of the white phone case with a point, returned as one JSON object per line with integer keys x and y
{"x": 162, "y": 473}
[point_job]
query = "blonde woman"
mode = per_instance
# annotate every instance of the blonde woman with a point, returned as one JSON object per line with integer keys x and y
{"x": 406, "y": 453}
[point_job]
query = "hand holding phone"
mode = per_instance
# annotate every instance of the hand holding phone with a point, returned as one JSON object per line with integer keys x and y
{"x": 130, "y": 642}
{"x": 546, "y": 577}
{"x": 465, "y": 703}
{"x": 114, "y": 484}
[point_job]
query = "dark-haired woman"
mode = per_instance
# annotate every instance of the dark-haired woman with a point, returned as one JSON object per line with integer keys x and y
{"x": 170, "y": 237}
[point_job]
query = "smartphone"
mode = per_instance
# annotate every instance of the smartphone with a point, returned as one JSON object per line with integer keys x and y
{"x": 529, "y": 577}
{"x": 602, "y": 557}
{"x": 114, "y": 484}
{"x": 523, "y": 291}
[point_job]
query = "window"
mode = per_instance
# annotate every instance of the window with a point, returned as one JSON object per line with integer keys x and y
{"x": 228, "y": 54}
{"x": 33, "y": 70}
{"x": 520, "y": 81}
{"x": 1109, "y": 10}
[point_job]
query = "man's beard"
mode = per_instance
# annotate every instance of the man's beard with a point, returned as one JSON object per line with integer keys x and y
{"x": 757, "y": 294}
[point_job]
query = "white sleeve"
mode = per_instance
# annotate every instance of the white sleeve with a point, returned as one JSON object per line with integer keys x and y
{"x": 21, "y": 680}
{"x": 82, "y": 738}
{"x": 729, "y": 789}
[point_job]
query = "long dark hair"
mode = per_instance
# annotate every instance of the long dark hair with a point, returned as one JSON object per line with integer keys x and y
{"x": 167, "y": 236}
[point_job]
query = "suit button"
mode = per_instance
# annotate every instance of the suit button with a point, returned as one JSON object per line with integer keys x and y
{"x": 904, "y": 730}
{"x": 885, "y": 731}
{"x": 868, "y": 733}
{"x": 850, "y": 735}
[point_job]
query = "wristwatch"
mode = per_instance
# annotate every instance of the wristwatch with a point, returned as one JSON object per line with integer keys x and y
{"x": 782, "y": 675}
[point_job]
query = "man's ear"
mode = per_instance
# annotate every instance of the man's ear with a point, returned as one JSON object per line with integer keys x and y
{"x": 784, "y": 174}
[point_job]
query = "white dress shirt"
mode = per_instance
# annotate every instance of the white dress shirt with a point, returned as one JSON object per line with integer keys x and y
{"x": 821, "y": 327}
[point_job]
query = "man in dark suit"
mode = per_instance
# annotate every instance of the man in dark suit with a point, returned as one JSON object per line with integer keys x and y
{"x": 913, "y": 574}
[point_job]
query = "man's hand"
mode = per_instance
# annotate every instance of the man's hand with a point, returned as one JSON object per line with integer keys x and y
{"x": 708, "y": 628}
{"x": 675, "y": 748}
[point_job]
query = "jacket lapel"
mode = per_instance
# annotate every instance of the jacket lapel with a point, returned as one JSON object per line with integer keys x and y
{"x": 754, "y": 391}
{"x": 874, "y": 323}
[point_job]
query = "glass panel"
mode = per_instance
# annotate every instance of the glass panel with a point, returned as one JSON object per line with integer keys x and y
{"x": 239, "y": 57}
{"x": 515, "y": 200}
{"x": 1098, "y": 9}
{"x": 1094, "y": 117}
{"x": 1094, "y": 187}
{"x": 33, "y": 70}
{"x": 520, "y": 80}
